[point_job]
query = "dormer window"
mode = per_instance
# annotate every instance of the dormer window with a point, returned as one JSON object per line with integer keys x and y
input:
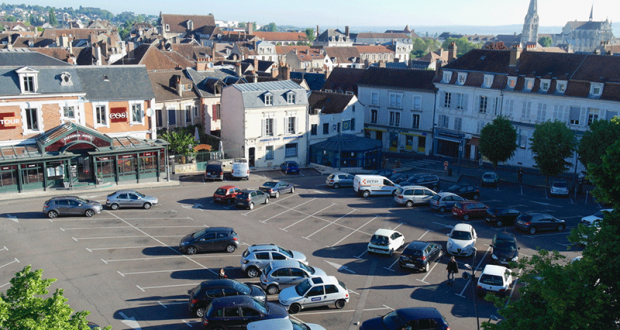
{"x": 268, "y": 98}
{"x": 488, "y": 81}
{"x": 512, "y": 81}
{"x": 447, "y": 76}
{"x": 529, "y": 84}
{"x": 290, "y": 98}
{"x": 461, "y": 78}
{"x": 561, "y": 86}
{"x": 596, "y": 89}
{"x": 167, "y": 27}
{"x": 28, "y": 82}
{"x": 190, "y": 24}
{"x": 544, "y": 84}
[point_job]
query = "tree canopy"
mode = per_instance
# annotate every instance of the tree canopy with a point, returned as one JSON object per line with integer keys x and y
{"x": 52, "y": 18}
{"x": 310, "y": 34}
{"x": 462, "y": 45}
{"x": 553, "y": 142}
{"x": 498, "y": 140}
{"x": 422, "y": 47}
{"x": 600, "y": 135}
{"x": 545, "y": 41}
{"x": 180, "y": 141}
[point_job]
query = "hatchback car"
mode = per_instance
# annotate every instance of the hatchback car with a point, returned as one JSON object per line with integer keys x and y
{"x": 210, "y": 239}
{"x": 444, "y": 201}
{"x": 236, "y": 312}
{"x": 289, "y": 167}
{"x": 339, "y": 179}
{"x": 419, "y": 318}
{"x": 284, "y": 273}
{"x": 70, "y": 205}
{"x": 274, "y": 188}
{"x": 385, "y": 241}
{"x": 558, "y": 188}
{"x": 226, "y": 194}
{"x": 489, "y": 179}
{"x": 535, "y": 222}
{"x": 596, "y": 218}
{"x": 314, "y": 292}
{"x": 469, "y": 209}
{"x": 464, "y": 190}
{"x": 430, "y": 181}
{"x": 411, "y": 195}
{"x": 202, "y": 295}
{"x": 494, "y": 279}
{"x": 505, "y": 248}
{"x": 420, "y": 255}
{"x": 462, "y": 240}
{"x": 501, "y": 216}
{"x": 130, "y": 198}
{"x": 258, "y": 256}
{"x": 249, "y": 198}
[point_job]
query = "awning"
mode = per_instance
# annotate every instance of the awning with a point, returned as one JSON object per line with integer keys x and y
{"x": 375, "y": 129}
{"x": 473, "y": 141}
{"x": 445, "y": 138}
{"x": 412, "y": 134}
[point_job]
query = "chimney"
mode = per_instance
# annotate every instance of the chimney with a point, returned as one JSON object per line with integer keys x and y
{"x": 250, "y": 27}
{"x": 92, "y": 38}
{"x": 255, "y": 77}
{"x": 274, "y": 71}
{"x": 71, "y": 59}
{"x": 318, "y": 33}
{"x": 238, "y": 69}
{"x": 451, "y": 52}
{"x": 346, "y": 30}
{"x": 515, "y": 53}
{"x": 98, "y": 55}
{"x": 201, "y": 64}
{"x": 256, "y": 64}
{"x": 177, "y": 85}
{"x": 438, "y": 65}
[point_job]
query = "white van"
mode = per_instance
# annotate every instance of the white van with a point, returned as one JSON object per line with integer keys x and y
{"x": 367, "y": 185}
{"x": 240, "y": 169}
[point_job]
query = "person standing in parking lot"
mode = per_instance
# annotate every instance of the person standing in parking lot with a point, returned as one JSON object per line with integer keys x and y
{"x": 520, "y": 175}
{"x": 222, "y": 275}
{"x": 453, "y": 268}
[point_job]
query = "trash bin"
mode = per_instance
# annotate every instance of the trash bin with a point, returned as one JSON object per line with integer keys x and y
{"x": 450, "y": 171}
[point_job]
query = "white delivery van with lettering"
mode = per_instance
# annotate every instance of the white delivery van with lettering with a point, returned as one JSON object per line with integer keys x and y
{"x": 367, "y": 185}
{"x": 240, "y": 169}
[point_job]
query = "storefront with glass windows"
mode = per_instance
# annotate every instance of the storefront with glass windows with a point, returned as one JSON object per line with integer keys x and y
{"x": 347, "y": 151}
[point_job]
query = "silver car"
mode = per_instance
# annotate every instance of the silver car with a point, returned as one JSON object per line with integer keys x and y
{"x": 285, "y": 273}
{"x": 130, "y": 198}
{"x": 444, "y": 201}
{"x": 411, "y": 195}
{"x": 258, "y": 256}
{"x": 339, "y": 179}
{"x": 70, "y": 205}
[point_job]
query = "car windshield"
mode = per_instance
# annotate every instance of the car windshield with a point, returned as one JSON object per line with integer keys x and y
{"x": 82, "y": 200}
{"x": 392, "y": 321}
{"x": 379, "y": 240}
{"x": 461, "y": 235}
{"x": 195, "y": 290}
{"x": 260, "y": 306}
{"x": 303, "y": 287}
{"x": 199, "y": 233}
{"x": 435, "y": 197}
{"x": 306, "y": 268}
{"x": 288, "y": 253}
{"x": 139, "y": 194}
{"x": 559, "y": 184}
{"x": 220, "y": 191}
{"x": 299, "y": 326}
{"x": 398, "y": 191}
{"x": 491, "y": 279}
{"x": 242, "y": 288}
{"x": 505, "y": 245}
{"x": 489, "y": 176}
{"x": 242, "y": 195}
{"x": 331, "y": 176}
{"x": 525, "y": 217}
{"x": 269, "y": 184}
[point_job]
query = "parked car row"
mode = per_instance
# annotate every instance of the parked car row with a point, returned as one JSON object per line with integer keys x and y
{"x": 73, "y": 205}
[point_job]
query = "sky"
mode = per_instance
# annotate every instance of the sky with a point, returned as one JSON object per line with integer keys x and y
{"x": 364, "y": 12}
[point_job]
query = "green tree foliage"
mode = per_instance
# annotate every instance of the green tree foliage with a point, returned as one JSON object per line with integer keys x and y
{"x": 10, "y": 18}
{"x": 462, "y": 45}
{"x": 422, "y": 47}
{"x": 553, "y": 142}
{"x": 498, "y": 140}
{"x": 545, "y": 41}
{"x": 52, "y": 18}
{"x": 271, "y": 27}
{"x": 23, "y": 307}
{"x": 606, "y": 176}
{"x": 310, "y": 34}
{"x": 597, "y": 139}
{"x": 180, "y": 141}
{"x": 241, "y": 25}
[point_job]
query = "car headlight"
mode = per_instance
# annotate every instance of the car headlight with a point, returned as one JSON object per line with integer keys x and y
{"x": 494, "y": 257}
{"x": 184, "y": 243}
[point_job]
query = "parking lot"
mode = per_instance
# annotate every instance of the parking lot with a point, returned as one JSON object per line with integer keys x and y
{"x": 124, "y": 265}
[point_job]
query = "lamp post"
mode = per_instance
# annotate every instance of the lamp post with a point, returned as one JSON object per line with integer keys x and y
{"x": 473, "y": 285}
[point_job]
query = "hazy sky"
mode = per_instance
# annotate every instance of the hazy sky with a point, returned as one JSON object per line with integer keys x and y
{"x": 364, "y": 12}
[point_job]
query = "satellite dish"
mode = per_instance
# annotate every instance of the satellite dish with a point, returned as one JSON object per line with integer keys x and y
{"x": 150, "y": 112}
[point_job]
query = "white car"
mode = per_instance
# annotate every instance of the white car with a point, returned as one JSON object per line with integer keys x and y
{"x": 462, "y": 241}
{"x": 385, "y": 241}
{"x": 313, "y": 292}
{"x": 559, "y": 188}
{"x": 595, "y": 219}
{"x": 494, "y": 279}
{"x": 282, "y": 324}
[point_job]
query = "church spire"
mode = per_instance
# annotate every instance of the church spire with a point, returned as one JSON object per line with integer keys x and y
{"x": 591, "y": 12}
{"x": 530, "y": 25}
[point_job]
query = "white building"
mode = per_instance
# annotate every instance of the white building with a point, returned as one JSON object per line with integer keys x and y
{"x": 331, "y": 114}
{"x": 265, "y": 122}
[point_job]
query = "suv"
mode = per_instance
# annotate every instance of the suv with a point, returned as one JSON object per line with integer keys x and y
{"x": 411, "y": 195}
{"x": 339, "y": 179}
{"x": 284, "y": 273}
{"x": 469, "y": 209}
{"x": 210, "y": 239}
{"x": 215, "y": 170}
{"x": 313, "y": 292}
{"x": 505, "y": 248}
{"x": 444, "y": 201}
{"x": 258, "y": 256}
{"x": 130, "y": 198}
{"x": 419, "y": 255}
{"x": 430, "y": 181}
{"x": 464, "y": 190}
{"x": 205, "y": 292}
{"x": 422, "y": 318}
{"x": 249, "y": 198}
{"x": 70, "y": 205}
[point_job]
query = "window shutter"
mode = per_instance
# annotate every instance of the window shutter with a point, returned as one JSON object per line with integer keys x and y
{"x": 262, "y": 127}
{"x": 275, "y": 127}
{"x": 214, "y": 112}
{"x": 296, "y": 125}
{"x": 465, "y": 101}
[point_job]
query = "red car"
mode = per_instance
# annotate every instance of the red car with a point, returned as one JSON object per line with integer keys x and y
{"x": 469, "y": 209}
{"x": 226, "y": 194}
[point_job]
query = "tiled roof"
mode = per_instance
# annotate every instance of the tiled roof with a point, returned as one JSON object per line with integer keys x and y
{"x": 75, "y": 33}
{"x": 26, "y": 42}
{"x": 329, "y": 103}
{"x": 155, "y": 59}
{"x": 369, "y": 35}
{"x": 281, "y": 36}
{"x": 398, "y": 78}
{"x": 163, "y": 84}
{"x": 192, "y": 51}
{"x": 374, "y": 49}
{"x": 343, "y": 80}
{"x": 178, "y": 23}
{"x": 343, "y": 54}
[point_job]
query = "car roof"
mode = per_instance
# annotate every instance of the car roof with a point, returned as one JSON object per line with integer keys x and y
{"x": 417, "y": 245}
{"x": 445, "y": 193}
{"x": 494, "y": 270}
{"x": 231, "y": 300}
{"x": 219, "y": 229}
{"x": 485, "y": 173}
{"x": 384, "y": 232}
{"x": 263, "y": 247}
{"x": 415, "y": 187}
{"x": 338, "y": 173}
{"x": 227, "y": 187}
{"x": 463, "y": 226}
{"x": 284, "y": 263}
{"x": 505, "y": 236}
{"x": 223, "y": 282}
{"x": 326, "y": 279}
{"x": 414, "y": 313}
{"x": 62, "y": 197}
{"x": 270, "y": 324}
{"x": 124, "y": 191}
{"x": 249, "y": 190}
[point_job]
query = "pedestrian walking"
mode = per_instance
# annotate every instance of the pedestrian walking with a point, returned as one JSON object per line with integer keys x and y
{"x": 453, "y": 268}
{"x": 222, "y": 274}
{"x": 520, "y": 175}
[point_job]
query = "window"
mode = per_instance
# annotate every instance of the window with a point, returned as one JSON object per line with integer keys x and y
{"x": 444, "y": 121}
{"x": 484, "y": 100}
{"x": 525, "y": 111}
{"x": 460, "y": 101}
{"x": 488, "y": 81}
{"x": 331, "y": 289}
{"x": 325, "y": 129}
{"x": 167, "y": 27}
{"x": 541, "y": 115}
{"x": 188, "y": 113}
{"x": 561, "y": 86}
{"x": 611, "y": 114}
{"x": 417, "y": 103}
{"x": 290, "y": 98}
{"x": 68, "y": 111}
{"x": 512, "y": 82}
{"x": 575, "y": 113}
{"x": 416, "y": 121}
{"x": 447, "y": 99}
{"x": 529, "y": 83}
{"x": 373, "y": 116}
{"x": 268, "y": 99}
{"x": 458, "y": 122}
{"x": 394, "y": 118}
{"x": 172, "y": 117}
{"x": 101, "y": 115}
{"x": 497, "y": 110}
{"x": 28, "y": 84}
{"x": 215, "y": 109}
{"x": 291, "y": 125}
{"x": 374, "y": 98}
{"x": 396, "y": 101}
{"x": 290, "y": 150}
{"x": 269, "y": 127}
{"x": 159, "y": 117}
{"x": 596, "y": 89}
{"x": 592, "y": 115}
{"x": 480, "y": 126}
{"x": 544, "y": 85}
{"x": 195, "y": 111}
{"x": 313, "y": 129}
{"x": 558, "y": 111}
{"x": 447, "y": 76}
{"x": 136, "y": 112}
{"x": 510, "y": 105}
{"x": 353, "y": 124}
{"x": 32, "y": 119}
{"x": 461, "y": 78}
{"x": 269, "y": 152}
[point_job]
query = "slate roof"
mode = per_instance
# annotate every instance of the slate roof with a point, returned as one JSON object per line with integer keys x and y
{"x": 205, "y": 80}
{"x": 129, "y": 82}
{"x": 281, "y": 36}
{"x": 178, "y": 23}
{"x": 329, "y": 33}
{"x": 343, "y": 80}
{"x": 343, "y": 54}
{"x": 26, "y": 42}
{"x": 192, "y": 52}
{"x": 348, "y": 142}
{"x": 397, "y": 65}
{"x": 263, "y": 66}
{"x": 48, "y": 78}
{"x": 328, "y": 102}
{"x": 398, "y": 78}
{"x": 482, "y": 60}
{"x": 585, "y": 25}
{"x": 315, "y": 81}
{"x": 24, "y": 57}
{"x": 253, "y": 94}
{"x": 371, "y": 35}
{"x": 163, "y": 84}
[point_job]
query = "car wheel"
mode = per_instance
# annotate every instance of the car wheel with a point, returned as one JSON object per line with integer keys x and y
{"x": 146, "y": 206}
{"x": 499, "y": 223}
{"x": 560, "y": 227}
{"x": 476, "y": 197}
{"x": 52, "y": 214}
{"x": 442, "y": 209}
{"x": 272, "y": 289}
{"x": 200, "y": 312}
{"x": 294, "y": 308}
{"x": 251, "y": 272}
{"x": 230, "y": 248}
{"x": 532, "y": 230}
{"x": 89, "y": 213}
{"x": 366, "y": 193}
{"x": 114, "y": 206}
{"x": 336, "y": 186}
{"x": 426, "y": 267}
{"x": 267, "y": 200}
{"x": 466, "y": 217}
{"x": 409, "y": 204}
{"x": 391, "y": 252}
{"x": 277, "y": 194}
{"x": 292, "y": 190}
{"x": 340, "y": 303}
{"x": 192, "y": 250}
{"x": 251, "y": 206}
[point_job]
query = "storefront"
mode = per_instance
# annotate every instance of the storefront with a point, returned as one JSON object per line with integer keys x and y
{"x": 72, "y": 155}
{"x": 347, "y": 151}
{"x": 448, "y": 143}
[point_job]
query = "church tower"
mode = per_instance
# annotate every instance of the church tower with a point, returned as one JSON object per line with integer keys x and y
{"x": 530, "y": 26}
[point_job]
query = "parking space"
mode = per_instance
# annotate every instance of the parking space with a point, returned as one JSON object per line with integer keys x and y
{"x": 9, "y": 265}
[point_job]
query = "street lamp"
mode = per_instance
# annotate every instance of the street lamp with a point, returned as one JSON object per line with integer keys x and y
{"x": 466, "y": 275}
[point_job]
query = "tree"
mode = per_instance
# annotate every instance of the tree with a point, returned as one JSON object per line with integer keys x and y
{"x": 180, "y": 142}
{"x": 271, "y": 27}
{"x": 545, "y": 41}
{"x": 597, "y": 139}
{"x": 498, "y": 140}
{"x": 552, "y": 142}
{"x": 241, "y": 25}
{"x": 22, "y": 307}
{"x": 462, "y": 45}
{"x": 52, "y": 18}
{"x": 310, "y": 34}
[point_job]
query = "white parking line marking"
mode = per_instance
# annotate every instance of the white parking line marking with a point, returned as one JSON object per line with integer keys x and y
{"x": 543, "y": 235}
{"x": 325, "y": 220}
{"x": 112, "y": 237}
{"x": 120, "y": 273}
{"x": 360, "y": 256}
{"x": 423, "y": 280}
{"x": 167, "y": 286}
{"x": 5, "y": 284}
{"x": 265, "y": 221}
{"x": 320, "y": 192}
{"x": 473, "y": 270}
{"x": 356, "y": 230}
{"x": 340, "y": 267}
{"x": 187, "y": 323}
{"x": 12, "y": 262}
{"x": 123, "y": 247}
{"x": 441, "y": 224}
{"x": 274, "y": 203}
{"x": 103, "y": 219}
{"x": 321, "y": 210}
{"x": 354, "y": 292}
{"x": 546, "y": 204}
{"x": 329, "y": 224}
{"x": 162, "y": 305}
{"x": 5, "y": 248}
{"x": 170, "y": 257}
{"x": 514, "y": 285}
{"x": 119, "y": 227}
{"x": 161, "y": 271}
{"x": 171, "y": 303}
{"x": 347, "y": 311}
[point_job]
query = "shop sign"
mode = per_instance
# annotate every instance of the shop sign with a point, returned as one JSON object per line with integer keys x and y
{"x": 6, "y": 168}
{"x": 77, "y": 136}
{"x": 29, "y": 165}
{"x": 126, "y": 156}
{"x": 148, "y": 154}
{"x": 6, "y": 122}
{"x": 118, "y": 115}
{"x": 103, "y": 158}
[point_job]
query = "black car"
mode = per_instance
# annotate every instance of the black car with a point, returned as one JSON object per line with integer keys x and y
{"x": 505, "y": 248}
{"x": 420, "y": 255}
{"x": 383, "y": 172}
{"x": 501, "y": 216}
{"x": 430, "y": 181}
{"x": 465, "y": 190}
{"x": 419, "y": 318}
{"x": 210, "y": 239}
{"x": 275, "y": 188}
{"x": 535, "y": 222}
{"x": 202, "y": 295}
{"x": 236, "y": 312}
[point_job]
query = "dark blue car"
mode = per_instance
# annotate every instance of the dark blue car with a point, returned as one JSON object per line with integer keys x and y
{"x": 290, "y": 166}
{"x": 235, "y": 312}
{"x": 408, "y": 318}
